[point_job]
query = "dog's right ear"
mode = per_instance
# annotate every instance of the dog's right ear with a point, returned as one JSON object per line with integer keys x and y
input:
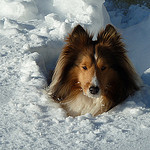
{"x": 77, "y": 31}
{"x": 79, "y": 36}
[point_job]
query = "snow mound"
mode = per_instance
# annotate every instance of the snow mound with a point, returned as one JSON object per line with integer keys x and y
{"x": 146, "y": 76}
{"x": 139, "y": 53}
{"x": 82, "y": 11}
{"x": 23, "y": 10}
{"x": 124, "y": 17}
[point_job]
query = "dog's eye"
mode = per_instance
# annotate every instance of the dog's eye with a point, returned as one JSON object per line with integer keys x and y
{"x": 84, "y": 67}
{"x": 103, "y": 68}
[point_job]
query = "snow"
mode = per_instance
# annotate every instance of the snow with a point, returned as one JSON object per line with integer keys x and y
{"x": 139, "y": 52}
{"x": 31, "y": 37}
{"x": 124, "y": 17}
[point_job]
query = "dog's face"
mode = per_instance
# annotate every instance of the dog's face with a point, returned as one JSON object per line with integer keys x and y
{"x": 97, "y": 75}
{"x": 87, "y": 77}
{"x": 97, "y": 68}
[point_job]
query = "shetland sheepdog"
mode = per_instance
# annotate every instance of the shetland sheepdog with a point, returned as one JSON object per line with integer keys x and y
{"x": 93, "y": 76}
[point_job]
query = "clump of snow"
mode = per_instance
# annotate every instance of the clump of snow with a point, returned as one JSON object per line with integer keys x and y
{"x": 22, "y": 10}
{"x": 31, "y": 37}
{"x": 82, "y": 11}
{"x": 146, "y": 76}
{"x": 124, "y": 17}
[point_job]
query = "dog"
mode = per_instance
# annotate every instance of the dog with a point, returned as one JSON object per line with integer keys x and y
{"x": 93, "y": 76}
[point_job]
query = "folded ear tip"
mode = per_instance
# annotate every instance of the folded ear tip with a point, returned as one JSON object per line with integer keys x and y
{"x": 109, "y": 34}
{"x": 109, "y": 27}
{"x": 78, "y": 28}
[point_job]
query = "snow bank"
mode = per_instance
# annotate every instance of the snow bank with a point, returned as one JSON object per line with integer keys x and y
{"x": 55, "y": 19}
{"x": 138, "y": 44}
{"x": 125, "y": 17}
{"x": 31, "y": 37}
{"x": 23, "y": 10}
{"x": 58, "y": 13}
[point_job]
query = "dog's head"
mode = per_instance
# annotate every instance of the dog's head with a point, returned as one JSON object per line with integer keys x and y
{"x": 94, "y": 67}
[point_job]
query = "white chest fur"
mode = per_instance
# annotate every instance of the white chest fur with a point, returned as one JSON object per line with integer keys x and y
{"x": 83, "y": 104}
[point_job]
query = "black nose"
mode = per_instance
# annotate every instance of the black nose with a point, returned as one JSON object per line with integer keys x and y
{"x": 94, "y": 89}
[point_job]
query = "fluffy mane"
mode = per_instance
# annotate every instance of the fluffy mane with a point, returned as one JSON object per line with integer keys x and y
{"x": 109, "y": 45}
{"x": 63, "y": 80}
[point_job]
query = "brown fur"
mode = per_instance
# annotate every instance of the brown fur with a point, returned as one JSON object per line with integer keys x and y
{"x": 83, "y": 60}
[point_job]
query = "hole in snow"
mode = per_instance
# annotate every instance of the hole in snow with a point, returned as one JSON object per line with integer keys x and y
{"x": 48, "y": 54}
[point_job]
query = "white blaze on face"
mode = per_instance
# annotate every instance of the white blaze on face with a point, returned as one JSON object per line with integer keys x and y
{"x": 94, "y": 81}
{"x": 95, "y": 56}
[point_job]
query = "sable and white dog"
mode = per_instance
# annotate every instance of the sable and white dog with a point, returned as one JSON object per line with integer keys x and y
{"x": 93, "y": 76}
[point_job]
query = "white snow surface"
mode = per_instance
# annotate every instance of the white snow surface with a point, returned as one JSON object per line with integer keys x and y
{"x": 31, "y": 37}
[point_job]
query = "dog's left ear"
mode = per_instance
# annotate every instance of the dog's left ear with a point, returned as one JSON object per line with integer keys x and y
{"x": 79, "y": 36}
{"x": 107, "y": 33}
{"x": 109, "y": 36}
{"x": 109, "y": 28}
